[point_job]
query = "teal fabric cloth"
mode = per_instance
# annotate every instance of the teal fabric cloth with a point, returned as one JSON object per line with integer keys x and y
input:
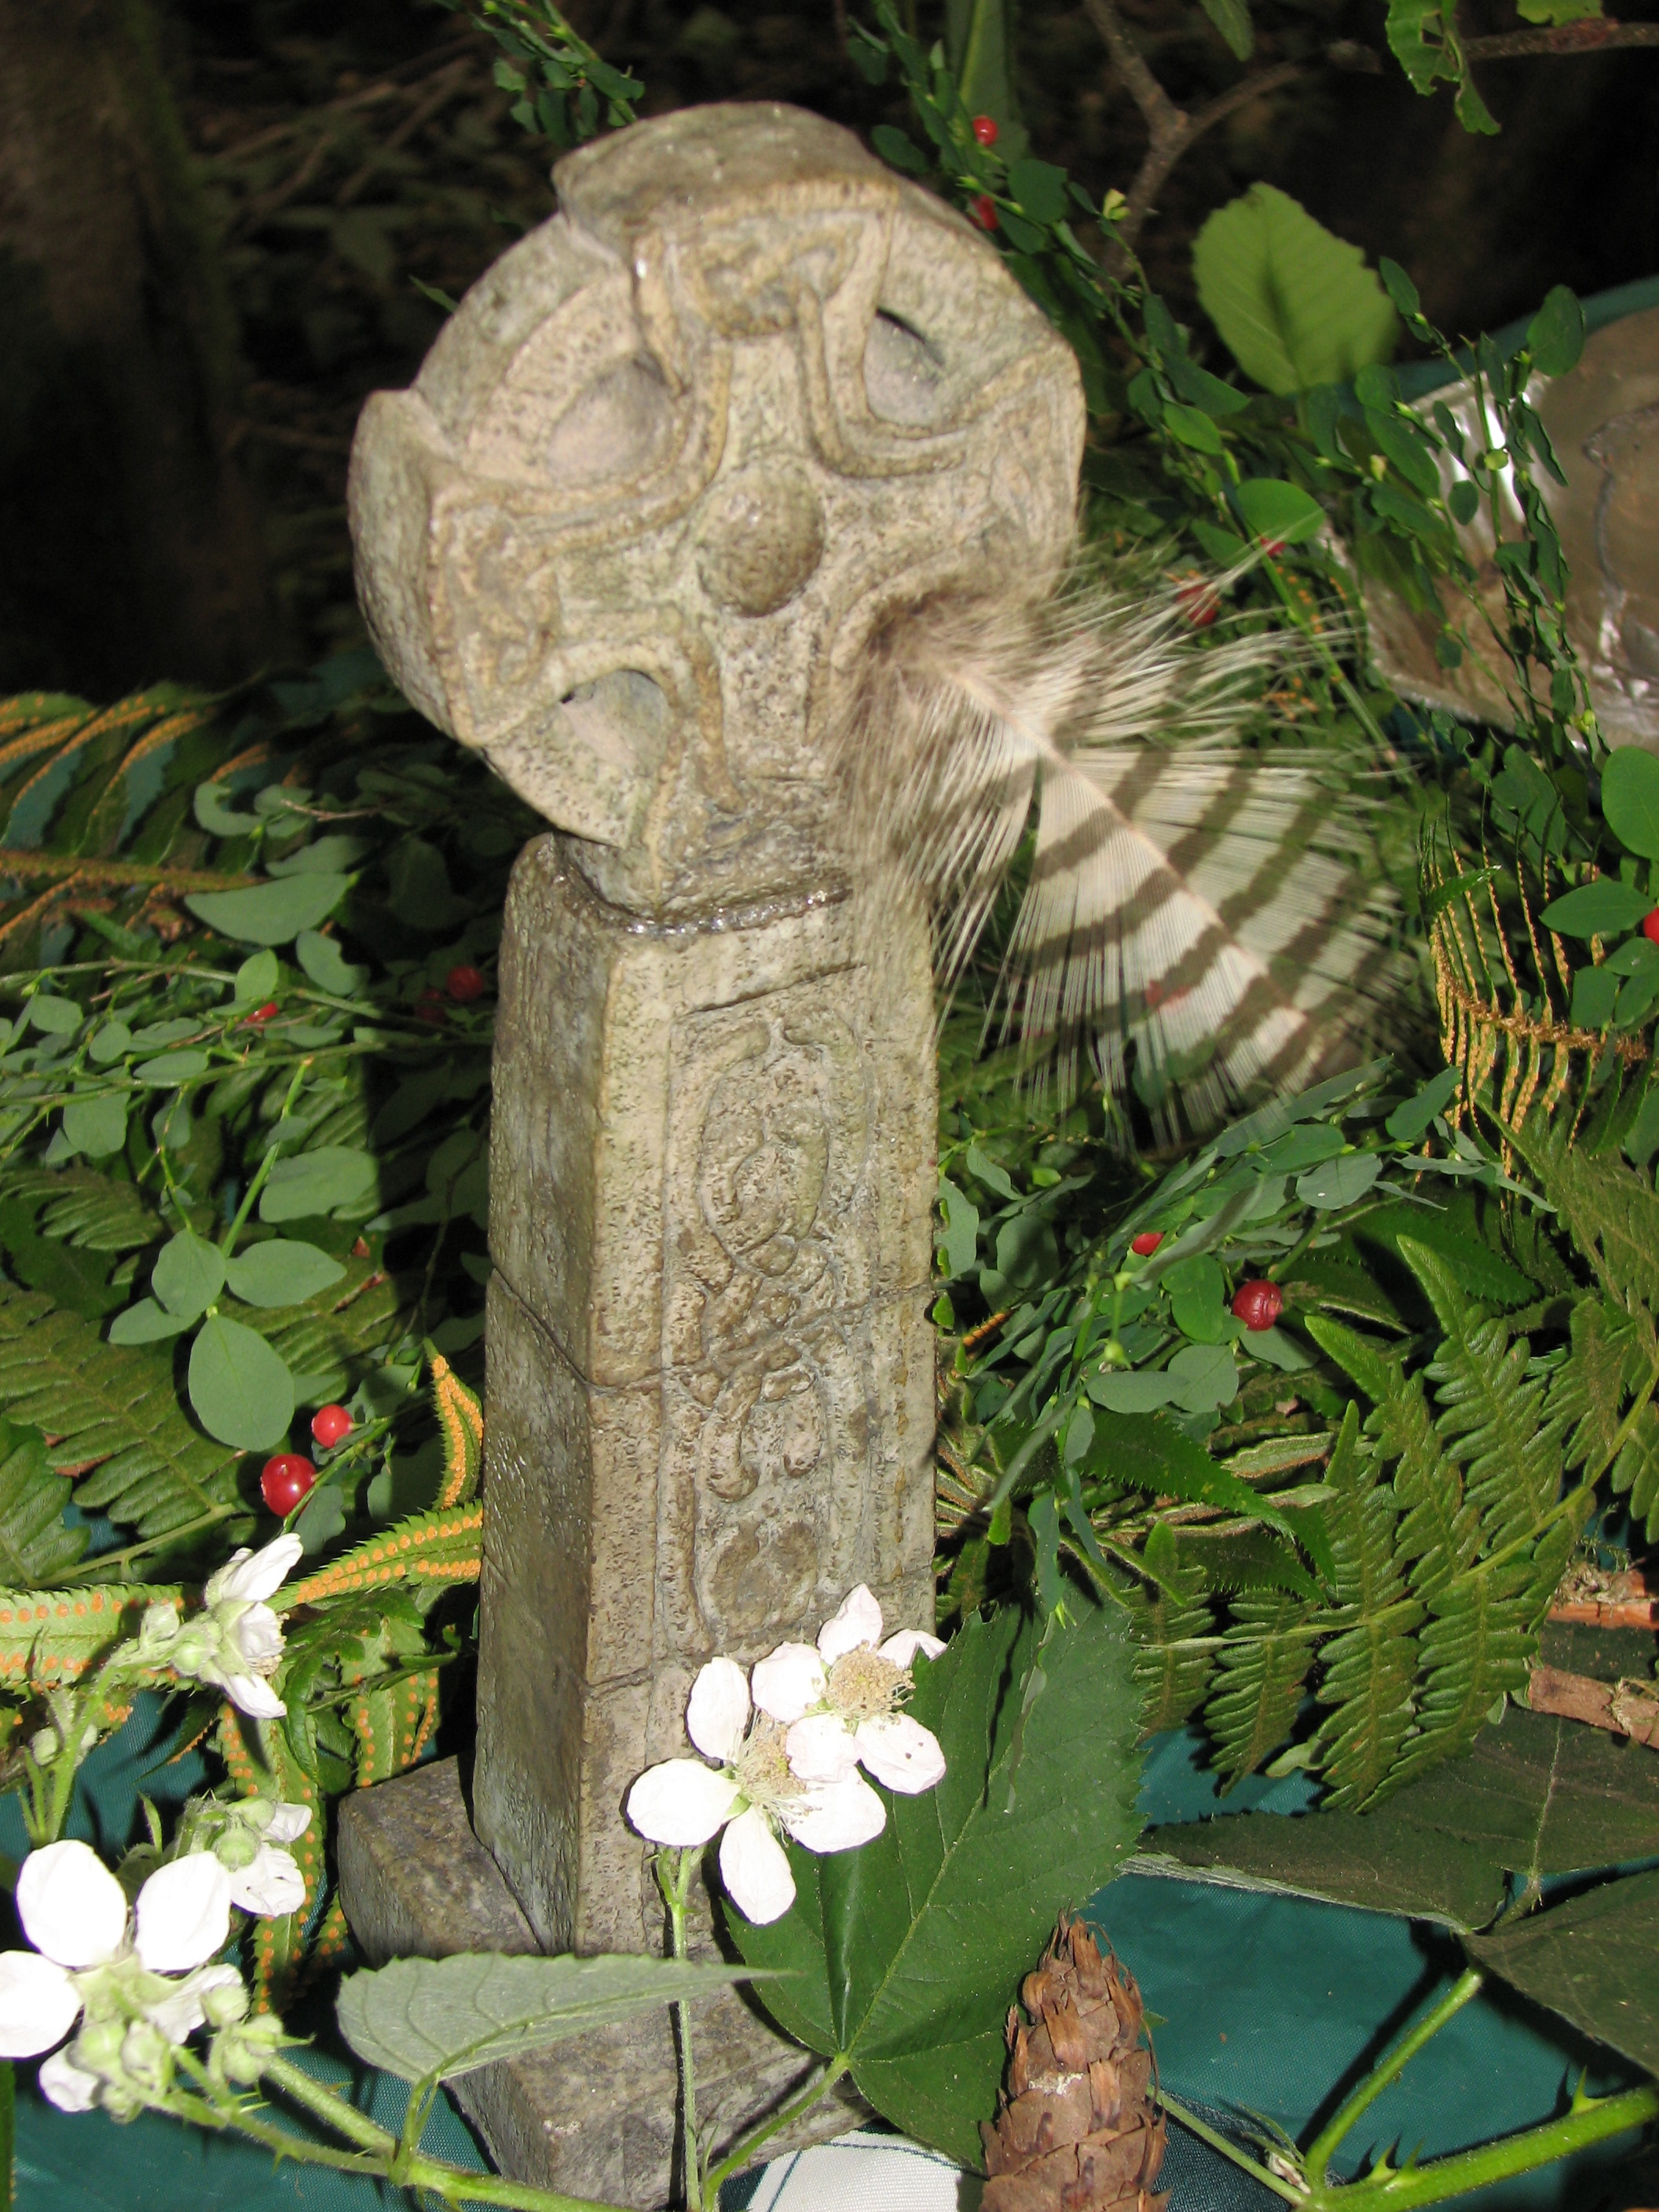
{"x": 1263, "y": 2004}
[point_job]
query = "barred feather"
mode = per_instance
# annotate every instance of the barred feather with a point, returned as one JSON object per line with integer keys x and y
{"x": 1199, "y": 917}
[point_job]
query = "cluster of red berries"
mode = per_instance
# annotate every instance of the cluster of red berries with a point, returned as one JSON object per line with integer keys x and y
{"x": 463, "y": 984}
{"x": 1258, "y": 1305}
{"x": 290, "y": 1476}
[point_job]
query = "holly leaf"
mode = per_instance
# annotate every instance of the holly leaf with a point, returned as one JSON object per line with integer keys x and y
{"x": 907, "y": 1953}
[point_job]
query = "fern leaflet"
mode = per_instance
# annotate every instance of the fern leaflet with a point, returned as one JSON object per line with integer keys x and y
{"x": 1265, "y": 1658}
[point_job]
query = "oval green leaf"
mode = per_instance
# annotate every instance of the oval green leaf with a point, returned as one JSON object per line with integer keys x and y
{"x": 270, "y": 913}
{"x": 282, "y": 1273}
{"x": 109, "y": 1043}
{"x": 328, "y": 968}
{"x": 316, "y": 1182}
{"x": 188, "y": 1275}
{"x": 96, "y": 1126}
{"x": 1282, "y": 513}
{"x": 169, "y": 1068}
{"x": 256, "y": 979}
{"x": 1338, "y": 1182}
{"x": 1630, "y": 799}
{"x": 145, "y": 1323}
{"x": 1555, "y": 336}
{"x": 1408, "y": 1122}
{"x": 1595, "y": 909}
{"x": 239, "y": 1388}
{"x": 56, "y": 1017}
{"x": 1192, "y": 425}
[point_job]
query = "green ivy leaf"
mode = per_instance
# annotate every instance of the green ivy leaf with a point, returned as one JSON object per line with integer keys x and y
{"x": 1295, "y": 306}
{"x": 188, "y": 1275}
{"x": 271, "y": 913}
{"x": 240, "y": 1390}
{"x": 282, "y": 1272}
{"x": 909, "y": 1952}
{"x": 1595, "y": 909}
{"x": 317, "y": 1182}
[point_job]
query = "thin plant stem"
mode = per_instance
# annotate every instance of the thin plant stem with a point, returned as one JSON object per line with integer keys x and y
{"x": 1217, "y": 2140}
{"x": 327, "y": 2105}
{"x": 784, "y": 2115}
{"x": 675, "y": 1870}
{"x": 227, "y": 1242}
{"x": 1323, "y": 2148}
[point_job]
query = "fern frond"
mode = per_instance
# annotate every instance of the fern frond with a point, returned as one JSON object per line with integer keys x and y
{"x": 1369, "y": 1669}
{"x": 392, "y": 1725}
{"x": 335, "y": 1332}
{"x": 1636, "y": 1470}
{"x": 440, "y": 1547}
{"x": 460, "y": 1418}
{"x": 261, "y": 1762}
{"x": 1173, "y": 1678}
{"x": 34, "y": 1544}
{"x": 116, "y": 1405}
{"x": 51, "y": 1637}
{"x": 1610, "y": 1348}
{"x": 81, "y": 1207}
{"x": 1490, "y": 1420}
{"x": 1477, "y": 1647}
{"x": 1611, "y": 1213}
{"x": 1258, "y": 1687}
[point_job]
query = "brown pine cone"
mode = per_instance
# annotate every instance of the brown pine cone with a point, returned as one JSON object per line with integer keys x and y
{"x": 1076, "y": 2131}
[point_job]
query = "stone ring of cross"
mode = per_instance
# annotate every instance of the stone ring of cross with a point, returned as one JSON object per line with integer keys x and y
{"x": 675, "y": 459}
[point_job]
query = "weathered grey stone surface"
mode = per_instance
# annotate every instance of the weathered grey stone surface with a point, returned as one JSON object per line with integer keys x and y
{"x": 673, "y": 464}
{"x": 417, "y": 1884}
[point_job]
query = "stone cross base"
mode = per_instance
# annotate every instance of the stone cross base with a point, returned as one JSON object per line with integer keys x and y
{"x": 594, "y": 2117}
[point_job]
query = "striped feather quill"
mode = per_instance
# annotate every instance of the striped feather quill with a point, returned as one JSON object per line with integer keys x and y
{"x": 1202, "y": 919}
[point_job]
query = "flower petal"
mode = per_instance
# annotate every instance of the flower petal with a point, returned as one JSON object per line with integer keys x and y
{"x": 253, "y": 1694}
{"x": 71, "y": 1905}
{"x": 856, "y": 1622}
{"x": 254, "y": 1574}
{"x": 821, "y": 1749}
{"x": 184, "y": 1914}
{"x": 681, "y": 1802}
{"x": 837, "y": 1816}
{"x": 39, "y": 2004}
{"x": 269, "y": 1884}
{"x": 287, "y": 1823}
{"x": 257, "y": 1635}
{"x": 180, "y": 2014}
{"x": 755, "y": 1868}
{"x": 66, "y": 2085}
{"x": 718, "y": 1712}
{"x": 789, "y": 1682}
{"x": 901, "y": 1753}
{"x": 902, "y": 1648}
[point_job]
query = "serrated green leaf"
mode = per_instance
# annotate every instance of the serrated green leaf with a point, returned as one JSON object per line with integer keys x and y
{"x": 910, "y": 1951}
{"x": 1295, "y": 306}
{"x": 1593, "y": 1958}
{"x": 240, "y": 1390}
{"x": 34, "y": 1544}
{"x": 422, "y": 2019}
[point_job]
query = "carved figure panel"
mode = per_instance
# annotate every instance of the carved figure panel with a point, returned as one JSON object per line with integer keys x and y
{"x": 768, "y": 1241}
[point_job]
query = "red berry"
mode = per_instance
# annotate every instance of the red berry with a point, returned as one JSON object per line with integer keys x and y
{"x": 329, "y": 1424}
{"x": 1147, "y": 1243}
{"x": 1650, "y": 926}
{"x": 985, "y": 130}
{"x": 1272, "y": 547}
{"x": 1258, "y": 1305}
{"x": 981, "y": 210}
{"x": 263, "y": 1013}
{"x": 430, "y": 1007}
{"x": 1198, "y": 602}
{"x": 464, "y": 984}
{"x": 285, "y": 1481}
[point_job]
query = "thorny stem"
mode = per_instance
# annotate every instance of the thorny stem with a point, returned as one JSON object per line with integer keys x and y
{"x": 675, "y": 1872}
{"x": 1466, "y": 1985}
{"x": 1217, "y": 2140}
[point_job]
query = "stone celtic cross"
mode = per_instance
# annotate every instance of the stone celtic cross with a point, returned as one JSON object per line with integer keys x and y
{"x": 675, "y": 459}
